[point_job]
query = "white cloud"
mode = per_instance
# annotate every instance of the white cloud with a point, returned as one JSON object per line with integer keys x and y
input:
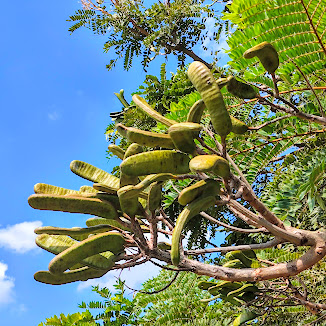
{"x": 19, "y": 237}
{"x": 6, "y": 285}
{"x": 53, "y": 115}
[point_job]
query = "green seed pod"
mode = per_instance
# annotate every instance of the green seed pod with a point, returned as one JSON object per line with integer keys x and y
{"x": 245, "y": 288}
{"x": 92, "y": 173}
{"x": 109, "y": 241}
{"x": 74, "y": 204}
{"x": 238, "y": 127}
{"x": 141, "y": 103}
{"x": 163, "y": 161}
{"x": 154, "y": 196}
{"x": 240, "y": 89}
{"x": 82, "y": 274}
{"x": 196, "y": 111}
{"x": 183, "y": 135}
{"x": 117, "y": 151}
{"x": 191, "y": 210}
{"x": 146, "y": 138}
{"x": 133, "y": 149}
{"x": 43, "y": 188}
{"x": 245, "y": 316}
{"x": 87, "y": 189}
{"x": 205, "y": 83}
{"x": 234, "y": 263}
{"x": 164, "y": 246}
{"x": 205, "y": 285}
{"x": 98, "y": 221}
{"x": 210, "y": 163}
{"x": 242, "y": 256}
{"x": 59, "y": 243}
{"x": 224, "y": 287}
{"x": 194, "y": 191}
{"x": 267, "y": 55}
{"x": 75, "y": 231}
{"x": 221, "y": 82}
{"x": 121, "y": 98}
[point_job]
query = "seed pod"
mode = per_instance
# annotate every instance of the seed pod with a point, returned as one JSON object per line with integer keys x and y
{"x": 245, "y": 316}
{"x": 82, "y": 274}
{"x": 154, "y": 196}
{"x": 163, "y": 161}
{"x": 238, "y": 127}
{"x": 164, "y": 246}
{"x": 59, "y": 243}
{"x": 183, "y": 135}
{"x": 240, "y": 89}
{"x": 75, "y": 231}
{"x": 221, "y": 82}
{"x": 194, "y": 191}
{"x": 191, "y": 210}
{"x": 205, "y": 285}
{"x": 245, "y": 288}
{"x": 146, "y": 138}
{"x": 116, "y": 150}
{"x": 97, "y": 221}
{"x": 210, "y": 163}
{"x": 224, "y": 287}
{"x": 109, "y": 241}
{"x": 196, "y": 111}
{"x": 94, "y": 174}
{"x": 267, "y": 55}
{"x": 243, "y": 256}
{"x": 234, "y": 263}
{"x": 87, "y": 189}
{"x": 43, "y": 188}
{"x": 74, "y": 204}
{"x": 205, "y": 83}
{"x": 141, "y": 103}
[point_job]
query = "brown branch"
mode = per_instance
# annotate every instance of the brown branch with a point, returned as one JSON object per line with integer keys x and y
{"x": 265, "y": 245}
{"x": 270, "y": 122}
{"x": 230, "y": 227}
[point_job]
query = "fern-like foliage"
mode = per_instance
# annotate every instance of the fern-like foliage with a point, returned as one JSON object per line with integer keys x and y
{"x": 295, "y": 28}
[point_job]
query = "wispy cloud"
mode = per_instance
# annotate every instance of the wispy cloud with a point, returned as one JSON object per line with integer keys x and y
{"x": 6, "y": 286}
{"x": 53, "y": 115}
{"x": 19, "y": 237}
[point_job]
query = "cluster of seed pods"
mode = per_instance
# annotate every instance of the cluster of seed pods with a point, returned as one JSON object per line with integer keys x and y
{"x": 84, "y": 253}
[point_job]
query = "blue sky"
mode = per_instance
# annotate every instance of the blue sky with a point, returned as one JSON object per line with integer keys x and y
{"x": 55, "y": 99}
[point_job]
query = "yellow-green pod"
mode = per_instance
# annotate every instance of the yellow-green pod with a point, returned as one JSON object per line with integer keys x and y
{"x": 74, "y": 204}
{"x": 206, "y": 85}
{"x": 183, "y": 135}
{"x": 109, "y": 241}
{"x": 234, "y": 263}
{"x": 99, "y": 221}
{"x": 244, "y": 288}
{"x": 205, "y": 285}
{"x": 43, "y": 188}
{"x": 81, "y": 274}
{"x": 146, "y": 138}
{"x": 164, "y": 246}
{"x": 210, "y": 163}
{"x": 116, "y": 150}
{"x": 238, "y": 127}
{"x": 141, "y": 103}
{"x": 221, "y": 82}
{"x": 246, "y": 257}
{"x": 163, "y": 161}
{"x": 196, "y": 111}
{"x": 224, "y": 287}
{"x": 240, "y": 89}
{"x": 194, "y": 191}
{"x": 191, "y": 210}
{"x": 154, "y": 196}
{"x": 267, "y": 55}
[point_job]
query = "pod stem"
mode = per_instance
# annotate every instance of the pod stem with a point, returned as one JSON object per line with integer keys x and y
{"x": 223, "y": 143}
{"x": 277, "y": 92}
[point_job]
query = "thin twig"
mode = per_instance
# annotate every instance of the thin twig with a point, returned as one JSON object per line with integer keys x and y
{"x": 270, "y": 122}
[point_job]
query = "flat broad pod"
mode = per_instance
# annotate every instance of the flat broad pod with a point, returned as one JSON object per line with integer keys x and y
{"x": 142, "y": 104}
{"x": 145, "y": 138}
{"x": 108, "y": 241}
{"x": 205, "y": 83}
{"x": 196, "y": 111}
{"x": 164, "y": 161}
{"x": 240, "y": 89}
{"x": 210, "y": 163}
{"x": 238, "y": 127}
{"x": 191, "y": 210}
{"x": 183, "y": 135}
{"x": 267, "y": 55}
